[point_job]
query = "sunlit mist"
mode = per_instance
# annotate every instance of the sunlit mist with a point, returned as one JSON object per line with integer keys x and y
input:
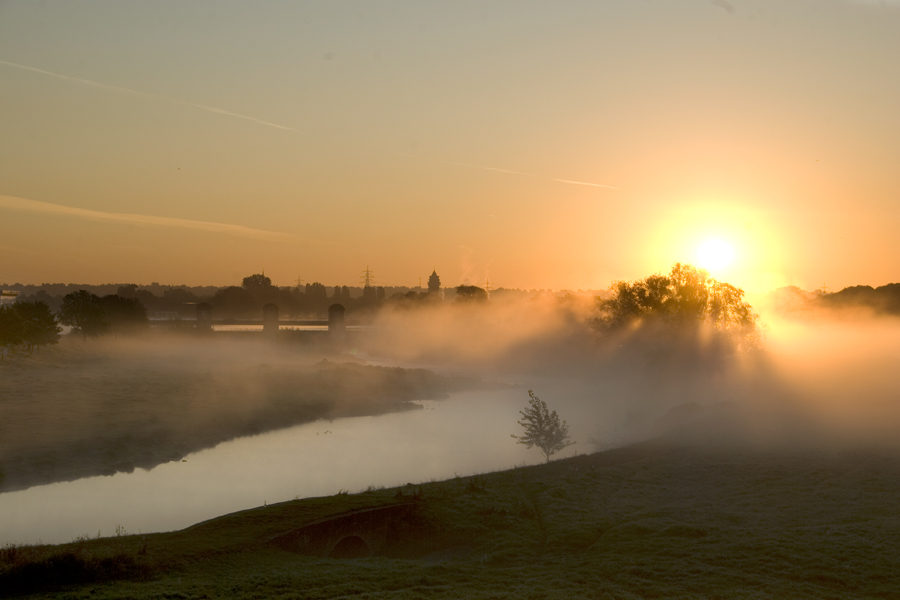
{"x": 300, "y": 277}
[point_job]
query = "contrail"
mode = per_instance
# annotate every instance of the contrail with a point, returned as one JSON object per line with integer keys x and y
{"x": 524, "y": 174}
{"x": 124, "y": 90}
{"x": 14, "y": 203}
{"x": 228, "y": 113}
{"x": 600, "y": 185}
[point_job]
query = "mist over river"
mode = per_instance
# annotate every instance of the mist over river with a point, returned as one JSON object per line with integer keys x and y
{"x": 258, "y": 424}
{"x": 465, "y": 434}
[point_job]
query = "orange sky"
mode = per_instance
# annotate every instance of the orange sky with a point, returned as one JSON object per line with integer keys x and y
{"x": 198, "y": 143}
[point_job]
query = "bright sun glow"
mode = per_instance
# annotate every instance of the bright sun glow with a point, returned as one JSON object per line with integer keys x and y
{"x": 715, "y": 255}
{"x": 735, "y": 242}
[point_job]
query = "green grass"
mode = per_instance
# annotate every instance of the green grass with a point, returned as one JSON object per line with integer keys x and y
{"x": 647, "y": 521}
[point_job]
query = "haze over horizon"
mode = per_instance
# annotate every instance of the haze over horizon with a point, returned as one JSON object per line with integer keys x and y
{"x": 536, "y": 145}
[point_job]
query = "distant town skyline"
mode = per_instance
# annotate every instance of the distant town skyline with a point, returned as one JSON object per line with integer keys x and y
{"x": 304, "y": 286}
{"x": 536, "y": 144}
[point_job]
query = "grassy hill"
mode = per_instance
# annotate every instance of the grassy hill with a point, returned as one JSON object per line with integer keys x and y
{"x": 654, "y": 520}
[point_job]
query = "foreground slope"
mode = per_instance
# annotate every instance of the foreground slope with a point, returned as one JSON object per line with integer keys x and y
{"x": 651, "y": 520}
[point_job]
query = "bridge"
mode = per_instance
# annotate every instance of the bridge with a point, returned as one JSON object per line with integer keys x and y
{"x": 281, "y": 322}
{"x": 355, "y": 534}
{"x": 304, "y": 329}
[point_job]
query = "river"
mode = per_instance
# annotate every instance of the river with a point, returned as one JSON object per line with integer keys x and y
{"x": 465, "y": 434}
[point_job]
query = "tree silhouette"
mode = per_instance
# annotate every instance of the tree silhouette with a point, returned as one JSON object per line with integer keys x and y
{"x": 83, "y": 311}
{"x": 256, "y": 282}
{"x": 39, "y": 326}
{"x": 124, "y": 315}
{"x": 684, "y": 299}
{"x": 470, "y": 293}
{"x": 11, "y": 328}
{"x": 543, "y": 428}
{"x": 129, "y": 290}
{"x": 233, "y": 302}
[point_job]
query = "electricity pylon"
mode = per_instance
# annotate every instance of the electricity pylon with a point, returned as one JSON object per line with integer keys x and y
{"x": 367, "y": 277}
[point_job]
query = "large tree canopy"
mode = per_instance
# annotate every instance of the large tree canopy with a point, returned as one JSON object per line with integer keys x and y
{"x": 470, "y": 293}
{"x": 39, "y": 326}
{"x": 91, "y": 315}
{"x": 686, "y": 298}
{"x": 124, "y": 315}
{"x": 83, "y": 311}
{"x": 29, "y": 323}
{"x": 12, "y": 330}
{"x": 257, "y": 281}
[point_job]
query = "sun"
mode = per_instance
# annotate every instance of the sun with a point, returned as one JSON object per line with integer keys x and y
{"x": 715, "y": 255}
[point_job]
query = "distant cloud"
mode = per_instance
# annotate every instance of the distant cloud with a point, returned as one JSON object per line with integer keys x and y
{"x": 724, "y": 5}
{"x": 219, "y": 111}
{"x": 23, "y": 204}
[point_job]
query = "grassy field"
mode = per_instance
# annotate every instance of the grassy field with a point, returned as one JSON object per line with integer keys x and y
{"x": 107, "y": 406}
{"x": 653, "y": 520}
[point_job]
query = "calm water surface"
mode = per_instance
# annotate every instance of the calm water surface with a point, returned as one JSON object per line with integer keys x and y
{"x": 466, "y": 434}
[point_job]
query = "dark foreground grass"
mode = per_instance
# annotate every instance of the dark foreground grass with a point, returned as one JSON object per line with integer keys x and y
{"x": 647, "y": 521}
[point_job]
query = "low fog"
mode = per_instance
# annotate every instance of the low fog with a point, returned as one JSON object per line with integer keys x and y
{"x": 819, "y": 379}
{"x": 112, "y": 405}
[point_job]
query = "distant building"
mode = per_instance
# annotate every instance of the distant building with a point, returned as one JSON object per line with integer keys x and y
{"x": 434, "y": 283}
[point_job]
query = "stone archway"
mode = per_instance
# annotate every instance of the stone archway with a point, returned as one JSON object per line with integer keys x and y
{"x": 351, "y": 546}
{"x": 354, "y": 534}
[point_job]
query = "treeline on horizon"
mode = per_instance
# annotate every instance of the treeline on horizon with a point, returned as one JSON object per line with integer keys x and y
{"x": 679, "y": 303}
{"x": 882, "y": 300}
{"x": 34, "y": 320}
{"x": 312, "y": 300}
{"x": 246, "y": 301}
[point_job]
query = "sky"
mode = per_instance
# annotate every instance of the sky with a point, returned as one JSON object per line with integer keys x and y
{"x": 531, "y": 144}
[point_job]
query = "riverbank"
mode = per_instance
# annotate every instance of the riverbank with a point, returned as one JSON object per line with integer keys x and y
{"x": 650, "y": 520}
{"x": 110, "y": 406}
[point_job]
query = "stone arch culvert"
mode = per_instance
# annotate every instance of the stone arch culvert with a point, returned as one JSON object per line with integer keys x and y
{"x": 388, "y": 530}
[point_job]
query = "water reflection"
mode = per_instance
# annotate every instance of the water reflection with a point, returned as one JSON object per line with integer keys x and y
{"x": 225, "y": 327}
{"x": 466, "y": 434}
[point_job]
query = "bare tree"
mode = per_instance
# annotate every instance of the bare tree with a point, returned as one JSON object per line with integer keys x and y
{"x": 543, "y": 428}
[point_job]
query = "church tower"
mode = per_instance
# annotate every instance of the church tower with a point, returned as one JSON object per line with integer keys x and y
{"x": 434, "y": 283}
